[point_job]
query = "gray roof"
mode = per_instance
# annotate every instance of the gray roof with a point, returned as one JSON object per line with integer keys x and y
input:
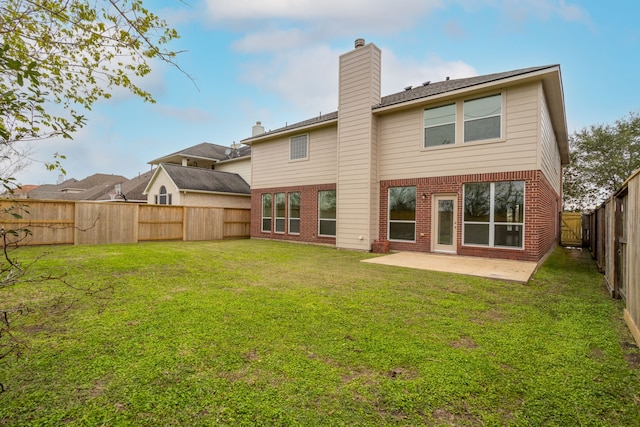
{"x": 431, "y": 89}
{"x": 90, "y": 188}
{"x": 419, "y": 92}
{"x": 201, "y": 179}
{"x": 133, "y": 189}
{"x": 206, "y": 150}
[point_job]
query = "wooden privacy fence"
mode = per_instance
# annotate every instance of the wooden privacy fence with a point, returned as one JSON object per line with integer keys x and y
{"x": 72, "y": 222}
{"x": 571, "y": 229}
{"x": 614, "y": 240}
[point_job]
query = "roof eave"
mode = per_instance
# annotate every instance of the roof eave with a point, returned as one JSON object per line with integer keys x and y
{"x": 287, "y": 131}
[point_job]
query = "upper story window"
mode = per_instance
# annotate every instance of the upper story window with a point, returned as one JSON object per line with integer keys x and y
{"x": 440, "y": 125}
{"x": 163, "y": 198}
{"x": 299, "y": 147}
{"x": 483, "y": 118}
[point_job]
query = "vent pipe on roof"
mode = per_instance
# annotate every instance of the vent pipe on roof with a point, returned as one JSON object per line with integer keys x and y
{"x": 257, "y": 129}
{"x": 447, "y": 77}
{"x": 408, "y": 88}
{"x": 359, "y": 43}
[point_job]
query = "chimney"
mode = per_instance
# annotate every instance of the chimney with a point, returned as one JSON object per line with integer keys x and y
{"x": 359, "y": 43}
{"x": 257, "y": 129}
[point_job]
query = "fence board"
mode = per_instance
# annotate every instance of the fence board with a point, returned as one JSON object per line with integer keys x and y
{"x": 105, "y": 223}
{"x": 75, "y": 222}
{"x": 204, "y": 223}
{"x": 237, "y": 223}
{"x": 160, "y": 222}
{"x": 49, "y": 222}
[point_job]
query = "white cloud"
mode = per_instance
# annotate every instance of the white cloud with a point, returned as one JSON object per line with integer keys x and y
{"x": 307, "y": 78}
{"x": 398, "y": 73}
{"x": 379, "y": 12}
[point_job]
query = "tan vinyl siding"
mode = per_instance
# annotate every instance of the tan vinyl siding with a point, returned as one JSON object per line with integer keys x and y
{"x": 550, "y": 155}
{"x": 241, "y": 167}
{"x": 216, "y": 200}
{"x": 359, "y": 90}
{"x": 271, "y": 166}
{"x": 401, "y": 141}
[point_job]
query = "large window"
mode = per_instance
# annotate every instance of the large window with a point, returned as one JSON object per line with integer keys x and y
{"x": 280, "y": 212}
{"x": 494, "y": 214}
{"x": 266, "y": 213}
{"x": 327, "y": 213}
{"x": 482, "y": 118}
{"x": 298, "y": 147}
{"x": 440, "y": 126}
{"x": 402, "y": 213}
{"x": 294, "y": 213}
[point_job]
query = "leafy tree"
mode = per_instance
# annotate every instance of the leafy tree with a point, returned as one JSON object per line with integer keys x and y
{"x": 602, "y": 157}
{"x": 57, "y": 58}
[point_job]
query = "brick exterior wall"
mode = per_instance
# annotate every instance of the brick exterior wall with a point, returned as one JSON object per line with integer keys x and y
{"x": 542, "y": 206}
{"x": 308, "y": 214}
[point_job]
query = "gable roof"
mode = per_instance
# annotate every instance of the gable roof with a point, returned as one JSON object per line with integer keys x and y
{"x": 204, "y": 150}
{"x": 203, "y": 180}
{"x": 548, "y": 74}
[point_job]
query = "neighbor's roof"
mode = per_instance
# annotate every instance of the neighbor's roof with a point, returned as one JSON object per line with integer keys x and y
{"x": 133, "y": 189}
{"x": 90, "y": 188}
{"x": 207, "y": 180}
{"x": 206, "y": 151}
{"x": 420, "y": 92}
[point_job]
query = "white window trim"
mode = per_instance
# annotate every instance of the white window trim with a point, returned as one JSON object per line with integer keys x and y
{"x": 491, "y": 222}
{"x": 289, "y": 213}
{"x": 502, "y": 119}
{"x": 306, "y": 157}
{"x": 459, "y": 124}
{"x": 262, "y": 217}
{"x": 326, "y": 219}
{"x": 275, "y": 213}
{"x": 389, "y": 220}
{"x": 455, "y": 127}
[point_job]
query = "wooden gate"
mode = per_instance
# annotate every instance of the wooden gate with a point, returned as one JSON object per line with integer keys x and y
{"x": 571, "y": 229}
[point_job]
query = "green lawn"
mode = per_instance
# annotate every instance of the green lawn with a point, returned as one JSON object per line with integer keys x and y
{"x": 268, "y": 333}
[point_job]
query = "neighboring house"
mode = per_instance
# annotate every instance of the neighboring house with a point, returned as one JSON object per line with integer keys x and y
{"x": 131, "y": 191}
{"x": 91, "y": 188}
{"x": 19, "y": 193}
{"x": 193, "y": 186}
{"x": 203, "y": 175}
{"x": 467, "y": 166}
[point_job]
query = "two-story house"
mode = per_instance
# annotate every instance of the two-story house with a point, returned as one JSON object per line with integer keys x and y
{"x": 468, "y": 166}
{"x": 202, "y": 175}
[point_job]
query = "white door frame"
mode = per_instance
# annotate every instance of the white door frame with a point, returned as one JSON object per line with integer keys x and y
{"x": 435, "y": 245}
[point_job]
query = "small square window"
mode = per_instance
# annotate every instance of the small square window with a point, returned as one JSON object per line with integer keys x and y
{"x": 298, "y": 147}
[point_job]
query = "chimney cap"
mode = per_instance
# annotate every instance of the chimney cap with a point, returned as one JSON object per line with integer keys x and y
{"x": 359, "y": 43}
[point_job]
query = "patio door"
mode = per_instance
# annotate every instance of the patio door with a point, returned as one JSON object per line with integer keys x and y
{"x": 444, "y": 236}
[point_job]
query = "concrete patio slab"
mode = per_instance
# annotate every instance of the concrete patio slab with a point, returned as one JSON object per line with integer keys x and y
{"x": 509, "y": 270}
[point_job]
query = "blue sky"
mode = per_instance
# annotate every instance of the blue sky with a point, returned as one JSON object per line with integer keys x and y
{"x": 277, "y": 61}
